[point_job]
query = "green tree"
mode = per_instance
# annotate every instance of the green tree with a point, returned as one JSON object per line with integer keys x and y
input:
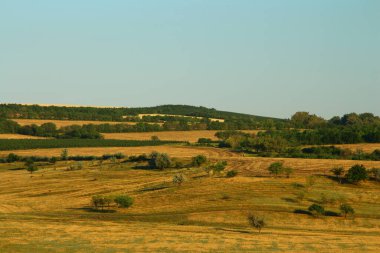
{"x": 64, "y": 154}
{"x": 346, "y": 209}
{"x": 123, "y": 201}
{"x": 159, "y": 161}
{"x": 316, "y": 210}
{"x": 198, "y": 160}
{"x": 276, "y": 168}
{"x": 356, "y": 174}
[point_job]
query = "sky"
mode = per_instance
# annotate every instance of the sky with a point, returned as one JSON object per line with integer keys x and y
{"x": 268, "y": 57}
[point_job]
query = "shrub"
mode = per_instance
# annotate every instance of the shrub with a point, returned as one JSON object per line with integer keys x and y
{"x": 123, "y": 201}
{"x": 204, "y": 140}
{"x": 198, "y": 160}
{"x": 101, "y": 201}
{"x": 64, "y": 154}
{"x": 13, "y": 158}
{"x": 276, "y": 168}
{"x": 356, "y": 174}
{"x": 346, "y": 209}
{"x": 231, "y": 173}
{"x": 316, "y": 210}
{"x": 31, "y": 168}
{"x": 338, "y": 172}
{"x": 154, "y": 138}
{"x": 178, "y": 179}
{"x": 159, "y": 161}
{"x": 256, "y": 221}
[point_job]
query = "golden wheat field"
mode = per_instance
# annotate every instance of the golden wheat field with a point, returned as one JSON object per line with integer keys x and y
{"x": 190, "y": 136}
{"x": 19, "y": 136}
{"x": 366, "y": 147}
{"x": 50, "y": 211}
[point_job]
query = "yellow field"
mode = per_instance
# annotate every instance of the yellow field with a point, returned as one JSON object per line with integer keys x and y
{"x": 366, "y": 147}
{"x": 63, "y": 123}
{"x": 249, "y": 166}
{"x": 190, "y": 136}
{"x": 50, "y": 211}
{"x": 19, "y": 136}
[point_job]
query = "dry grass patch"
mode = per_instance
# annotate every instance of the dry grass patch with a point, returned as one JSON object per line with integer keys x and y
{"x": 19, "y": 136}
{"x": 190, "y": 136}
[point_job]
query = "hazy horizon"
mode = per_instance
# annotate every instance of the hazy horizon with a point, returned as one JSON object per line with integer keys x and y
{"x": 268, "y": 58}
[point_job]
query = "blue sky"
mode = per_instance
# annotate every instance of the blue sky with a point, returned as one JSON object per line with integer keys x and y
{"x": 269, "y": 57}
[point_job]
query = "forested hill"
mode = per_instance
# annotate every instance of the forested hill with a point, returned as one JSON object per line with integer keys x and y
{"x": 116, "y": 114}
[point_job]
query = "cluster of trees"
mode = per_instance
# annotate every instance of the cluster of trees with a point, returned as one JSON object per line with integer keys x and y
{"x": 305, "y": 120}
{"x": 53, "y": 159}
{"x": 318, "y": 210}
{"x": 356, "y": 174}
{"x": 12, "y": 144}
{"x": 287, "y": 144}
{"x": 101, "y": 201}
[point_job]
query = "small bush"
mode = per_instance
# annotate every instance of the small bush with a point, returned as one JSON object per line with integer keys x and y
{"x": 231, "y": 173}
{"x": 154, "y": 138}
{"x": 276, "y": 168}
{"x": 178, "y": 179}
{"x": 198, "y": 160}
{"x": 99, "y": 201}
{"x": 356, "y": 174}
{"x": 123, "y": 201}
{"x": 159, "y": 161}
{"x": 316, "y": 210}
{"x": 346, "y": 209}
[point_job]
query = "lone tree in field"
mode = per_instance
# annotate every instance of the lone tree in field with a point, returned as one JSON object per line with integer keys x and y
{"x": 356, "y": 174}
{"x": 159, "y": 161}
{"x": 338, "y": 173}
{"x": 178, "y": 179}
{"x": 276, "y": 168}
{"x": 316, "y": 210}
{"x": 64, "y": 154}
{"x": 101, "y": 202}
{"x": 346, "y": 209}
{"x": 198, "y": 160}
{"x": 123, "y": 201}
{"x": 30, "y": 166}
{"x": 255, "y": 221}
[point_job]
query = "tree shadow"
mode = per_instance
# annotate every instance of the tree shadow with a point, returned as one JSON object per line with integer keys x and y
{"x": 17, "y": 169}
{"x": 93, "y": 210}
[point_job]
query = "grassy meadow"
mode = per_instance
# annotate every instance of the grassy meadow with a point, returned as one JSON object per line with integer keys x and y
{"x": 50, "y": 210}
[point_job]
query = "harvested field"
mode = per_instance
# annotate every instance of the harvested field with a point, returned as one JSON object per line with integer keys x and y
{"x": 19, "y": 136}
{"x": 190, "y": 136}
{"x": 51, "y": 212}
{"x": 248, "y": 166}
{"x": 63, "y": 123}
{"x": 366, "y": 147}
{"x": 175, "y": 151}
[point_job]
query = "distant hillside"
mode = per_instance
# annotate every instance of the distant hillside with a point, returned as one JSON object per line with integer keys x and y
{"x": 118, "y": 114}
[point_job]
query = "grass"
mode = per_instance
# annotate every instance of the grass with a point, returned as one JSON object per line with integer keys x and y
{"x": 48, "y": 212}
{"x": 19, "y": 136}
